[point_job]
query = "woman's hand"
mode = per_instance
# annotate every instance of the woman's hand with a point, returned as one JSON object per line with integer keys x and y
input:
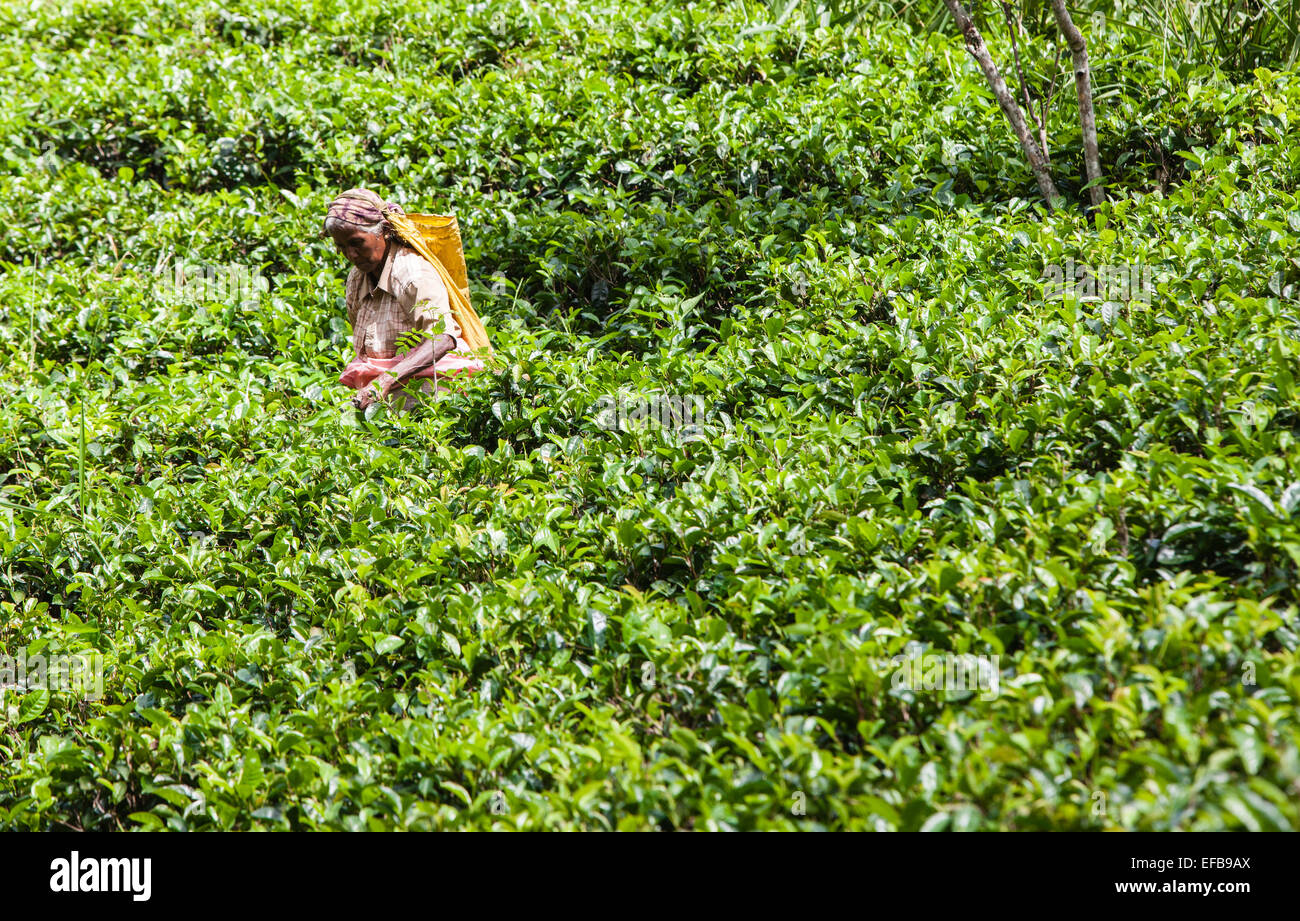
{"x": 365, "y": 397}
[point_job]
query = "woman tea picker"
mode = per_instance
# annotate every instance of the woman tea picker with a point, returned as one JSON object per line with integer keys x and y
{"x": 392, "y": 291}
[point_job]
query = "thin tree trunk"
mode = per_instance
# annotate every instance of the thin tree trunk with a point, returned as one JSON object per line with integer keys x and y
{"x": 975, "y": 45}
{"x": 1083, "y": 84}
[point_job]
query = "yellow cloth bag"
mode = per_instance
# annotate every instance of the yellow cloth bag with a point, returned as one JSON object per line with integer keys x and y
{"x": 436, "y": 237}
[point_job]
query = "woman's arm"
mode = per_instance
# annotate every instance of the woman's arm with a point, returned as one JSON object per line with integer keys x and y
{"x": 426, "y": 354}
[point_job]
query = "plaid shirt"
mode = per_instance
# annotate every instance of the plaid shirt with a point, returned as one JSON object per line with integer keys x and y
{"x": 409, "y": 295}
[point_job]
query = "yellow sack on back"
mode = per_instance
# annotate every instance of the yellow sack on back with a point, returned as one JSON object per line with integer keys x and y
{"x": 436, "y": 237}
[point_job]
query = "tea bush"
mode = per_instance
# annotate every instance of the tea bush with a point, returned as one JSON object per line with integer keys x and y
{"x": 503, "y": 611}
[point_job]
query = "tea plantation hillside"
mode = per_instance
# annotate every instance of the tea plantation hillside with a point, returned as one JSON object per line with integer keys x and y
{"x": 526, "y": 606}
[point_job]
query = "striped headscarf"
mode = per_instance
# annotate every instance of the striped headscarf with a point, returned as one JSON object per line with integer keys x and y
{"x": 360, "y": 208}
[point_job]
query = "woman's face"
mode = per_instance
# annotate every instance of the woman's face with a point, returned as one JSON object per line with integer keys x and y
{"x": 364, "y": 250}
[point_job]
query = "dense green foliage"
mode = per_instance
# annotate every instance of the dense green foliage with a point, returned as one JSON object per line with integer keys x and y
{"x": 1235, "y": 35}
{"x": 497, "y": 612}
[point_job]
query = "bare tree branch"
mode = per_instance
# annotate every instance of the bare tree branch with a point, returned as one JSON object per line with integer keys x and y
{"x": 1013, "y": 31}
{"x": 975, "y": 45}
{"x": 1083, "y": 85}
{"x": 1047, "y": 101}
